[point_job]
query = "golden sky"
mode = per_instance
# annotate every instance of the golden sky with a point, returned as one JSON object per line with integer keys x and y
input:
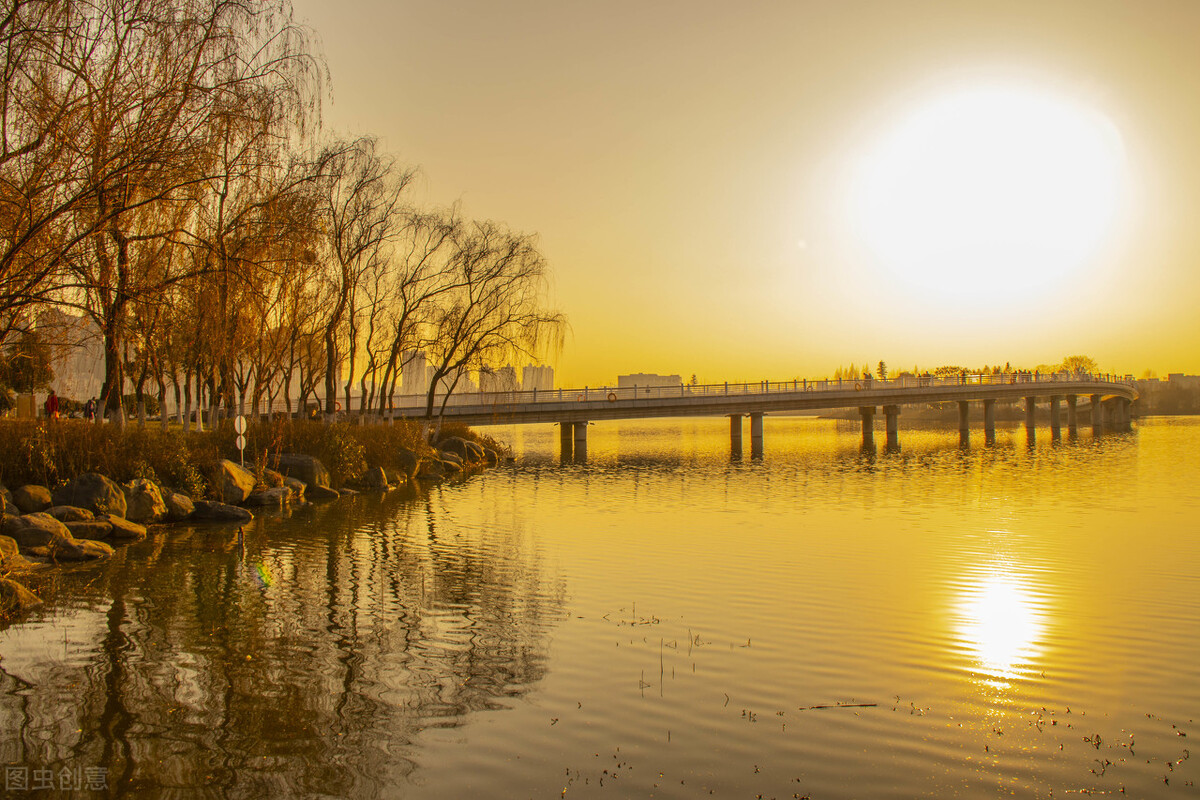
{"x": 756, "y": 190}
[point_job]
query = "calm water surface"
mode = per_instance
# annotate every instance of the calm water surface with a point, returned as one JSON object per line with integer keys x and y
{"x": 1016, "y": 620}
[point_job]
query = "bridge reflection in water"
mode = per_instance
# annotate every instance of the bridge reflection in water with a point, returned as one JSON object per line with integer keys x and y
{"x": 1108, "y": 399}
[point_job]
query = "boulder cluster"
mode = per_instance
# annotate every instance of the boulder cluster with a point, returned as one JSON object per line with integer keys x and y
{"x": 82, "y": 519}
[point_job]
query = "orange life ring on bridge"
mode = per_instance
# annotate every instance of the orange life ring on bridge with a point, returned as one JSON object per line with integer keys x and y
{"x": 337, "y": 406}
{"x": 579, "y": 397}
{"x": 858, "y": 387}
{"x": 612, "y": 397}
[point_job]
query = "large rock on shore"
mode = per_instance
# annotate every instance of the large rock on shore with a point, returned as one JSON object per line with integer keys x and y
{"x": 36, "y": 530}
{"x": 70, "y": 514}
{"x": 457, "y": 445}
{"x": 79, "y": 550}
{"x": 15, "y": 599}
{"x": 92, "y": 491}
{"x": 179, "y": 506}
{"x": 319, "y": 493}
{"x": 31, "y": 498}
{"x": 232, "y": 482}
{"x": 90, "y": 529}
{"x": 376, "y": 478}
{"x": 276, "y": 497}
{"x": 10, "y": 555}
{"x": 306, "y": 468}
{"x": 408, "y": 462}
{"x": 123, "y": 529}
{"x": 210, "y": 511}
{"x": 296, "y": 487}
{"x": 144, "y": 502}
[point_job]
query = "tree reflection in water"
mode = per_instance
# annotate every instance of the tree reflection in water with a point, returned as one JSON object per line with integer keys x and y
{"x": 306, "y": 662}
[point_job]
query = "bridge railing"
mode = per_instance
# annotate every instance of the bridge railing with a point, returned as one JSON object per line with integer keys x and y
{"x": 627, "y": 393}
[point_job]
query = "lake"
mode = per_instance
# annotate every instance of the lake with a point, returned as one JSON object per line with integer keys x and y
{"x": 1017, "y": 619}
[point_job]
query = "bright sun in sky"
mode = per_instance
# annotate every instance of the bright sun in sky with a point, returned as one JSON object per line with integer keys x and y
{"x": 989, "y": 192}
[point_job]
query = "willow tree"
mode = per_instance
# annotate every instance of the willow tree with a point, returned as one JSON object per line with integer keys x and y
{"x": 496, "y": 312}
{"x": 362, "y": 214}
{"x": 162, "y": 78}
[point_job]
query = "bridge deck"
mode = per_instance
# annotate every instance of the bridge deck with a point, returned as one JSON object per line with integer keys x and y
{"x": 590, "y": 404}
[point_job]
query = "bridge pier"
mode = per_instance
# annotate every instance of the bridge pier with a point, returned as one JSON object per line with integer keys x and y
{"x": 868, "y": 426}
{"x": 989, "y": 420}
{"x": 892, "y": 419}
{"x": 1125, "y": 419}
{"x": 756, "y": 435}
{"x": 964, "y": 422}
{"x": 580, "y": 442}
{"x": 735, "y": 435}
{"x": 1055, "y": 422}
{"x": 1030, "y": 409}
{"x": 1072, "y": 414}
{"x": 1097, "y": 413}
{"x": 566, "y": 436}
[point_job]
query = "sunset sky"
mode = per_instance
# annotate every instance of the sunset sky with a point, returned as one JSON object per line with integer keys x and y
{"x": 773, "y": 189}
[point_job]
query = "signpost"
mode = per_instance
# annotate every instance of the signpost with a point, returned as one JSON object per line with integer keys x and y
{"x": 239, "y": 427}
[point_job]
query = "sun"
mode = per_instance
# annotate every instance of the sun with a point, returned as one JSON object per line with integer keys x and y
{"x": 989, "y": 192}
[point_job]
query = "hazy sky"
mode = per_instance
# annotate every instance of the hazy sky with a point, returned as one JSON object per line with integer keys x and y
{"x": 757, "y": 190}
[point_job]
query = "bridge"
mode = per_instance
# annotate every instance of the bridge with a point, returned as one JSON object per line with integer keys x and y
{"x": 1109, "y": 399}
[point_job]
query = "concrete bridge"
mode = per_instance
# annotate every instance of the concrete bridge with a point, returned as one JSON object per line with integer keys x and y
{"x": 1109, "y": 398}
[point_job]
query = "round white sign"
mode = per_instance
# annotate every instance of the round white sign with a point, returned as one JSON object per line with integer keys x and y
{"x": 239, "y": 425}
{"x": 241, "y": 442}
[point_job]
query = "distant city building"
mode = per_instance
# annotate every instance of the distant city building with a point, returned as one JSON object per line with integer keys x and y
{"x": 77, "y": 354}
{"x": 536, "y": 378}
{"x": 498, "y": 380}
{"x": 647, "y": 380}
{"x": 414, "y": 373}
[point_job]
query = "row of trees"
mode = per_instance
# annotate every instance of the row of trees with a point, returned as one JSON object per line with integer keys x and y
{"x": 163, "y": 172}
{"x": 1076, "y": 365}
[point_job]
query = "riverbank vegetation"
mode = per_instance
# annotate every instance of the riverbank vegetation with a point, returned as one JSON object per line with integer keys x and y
{"x": 164, "y": 174}
{"x": 51, "y": 454}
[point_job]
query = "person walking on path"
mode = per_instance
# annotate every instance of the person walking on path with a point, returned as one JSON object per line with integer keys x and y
{"x": 51, "y": 406}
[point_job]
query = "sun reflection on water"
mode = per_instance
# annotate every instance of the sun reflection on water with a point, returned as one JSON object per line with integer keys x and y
{"x": 1000, "y": 621}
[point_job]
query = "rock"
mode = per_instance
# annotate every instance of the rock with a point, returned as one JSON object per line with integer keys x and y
{"x": 233, "y": 483}
{"x": 210, "y": 511}
{"x": 408, "y": 462}
{"x": 90, "y": 529}
{"x": 36, "y": 530}
{"x": 179, "y": 506}
{"x": 296, "y": 487}
{"x": 92, "y": 491}
{"x": 376, "y": 478}
{"x": 347, "y": 492}
{"x": 15, "y": 599}
{"x": 451, "y": 457}
{"x": 10, "y": 555}
{"x": 80, "y": 550}
{"x": 70, "y": 514}
{"x": 490, "y": 457}
{"x": 272, "y": 478}
{"x": 306, "y": 468}
{"x": 456, "y": 445}
{"x": 31, "y": 498}
{"x": 123, "y": 529}
{"x": 432, "y": 469}
{"x": 474, "y": 452}
{"x": 275, "y": 498}
{"x": 319, "y": 493}
{"x": 144, "y": 502}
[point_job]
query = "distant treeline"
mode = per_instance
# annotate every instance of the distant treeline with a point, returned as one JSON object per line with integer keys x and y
{"x": 1167, "y": 397}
